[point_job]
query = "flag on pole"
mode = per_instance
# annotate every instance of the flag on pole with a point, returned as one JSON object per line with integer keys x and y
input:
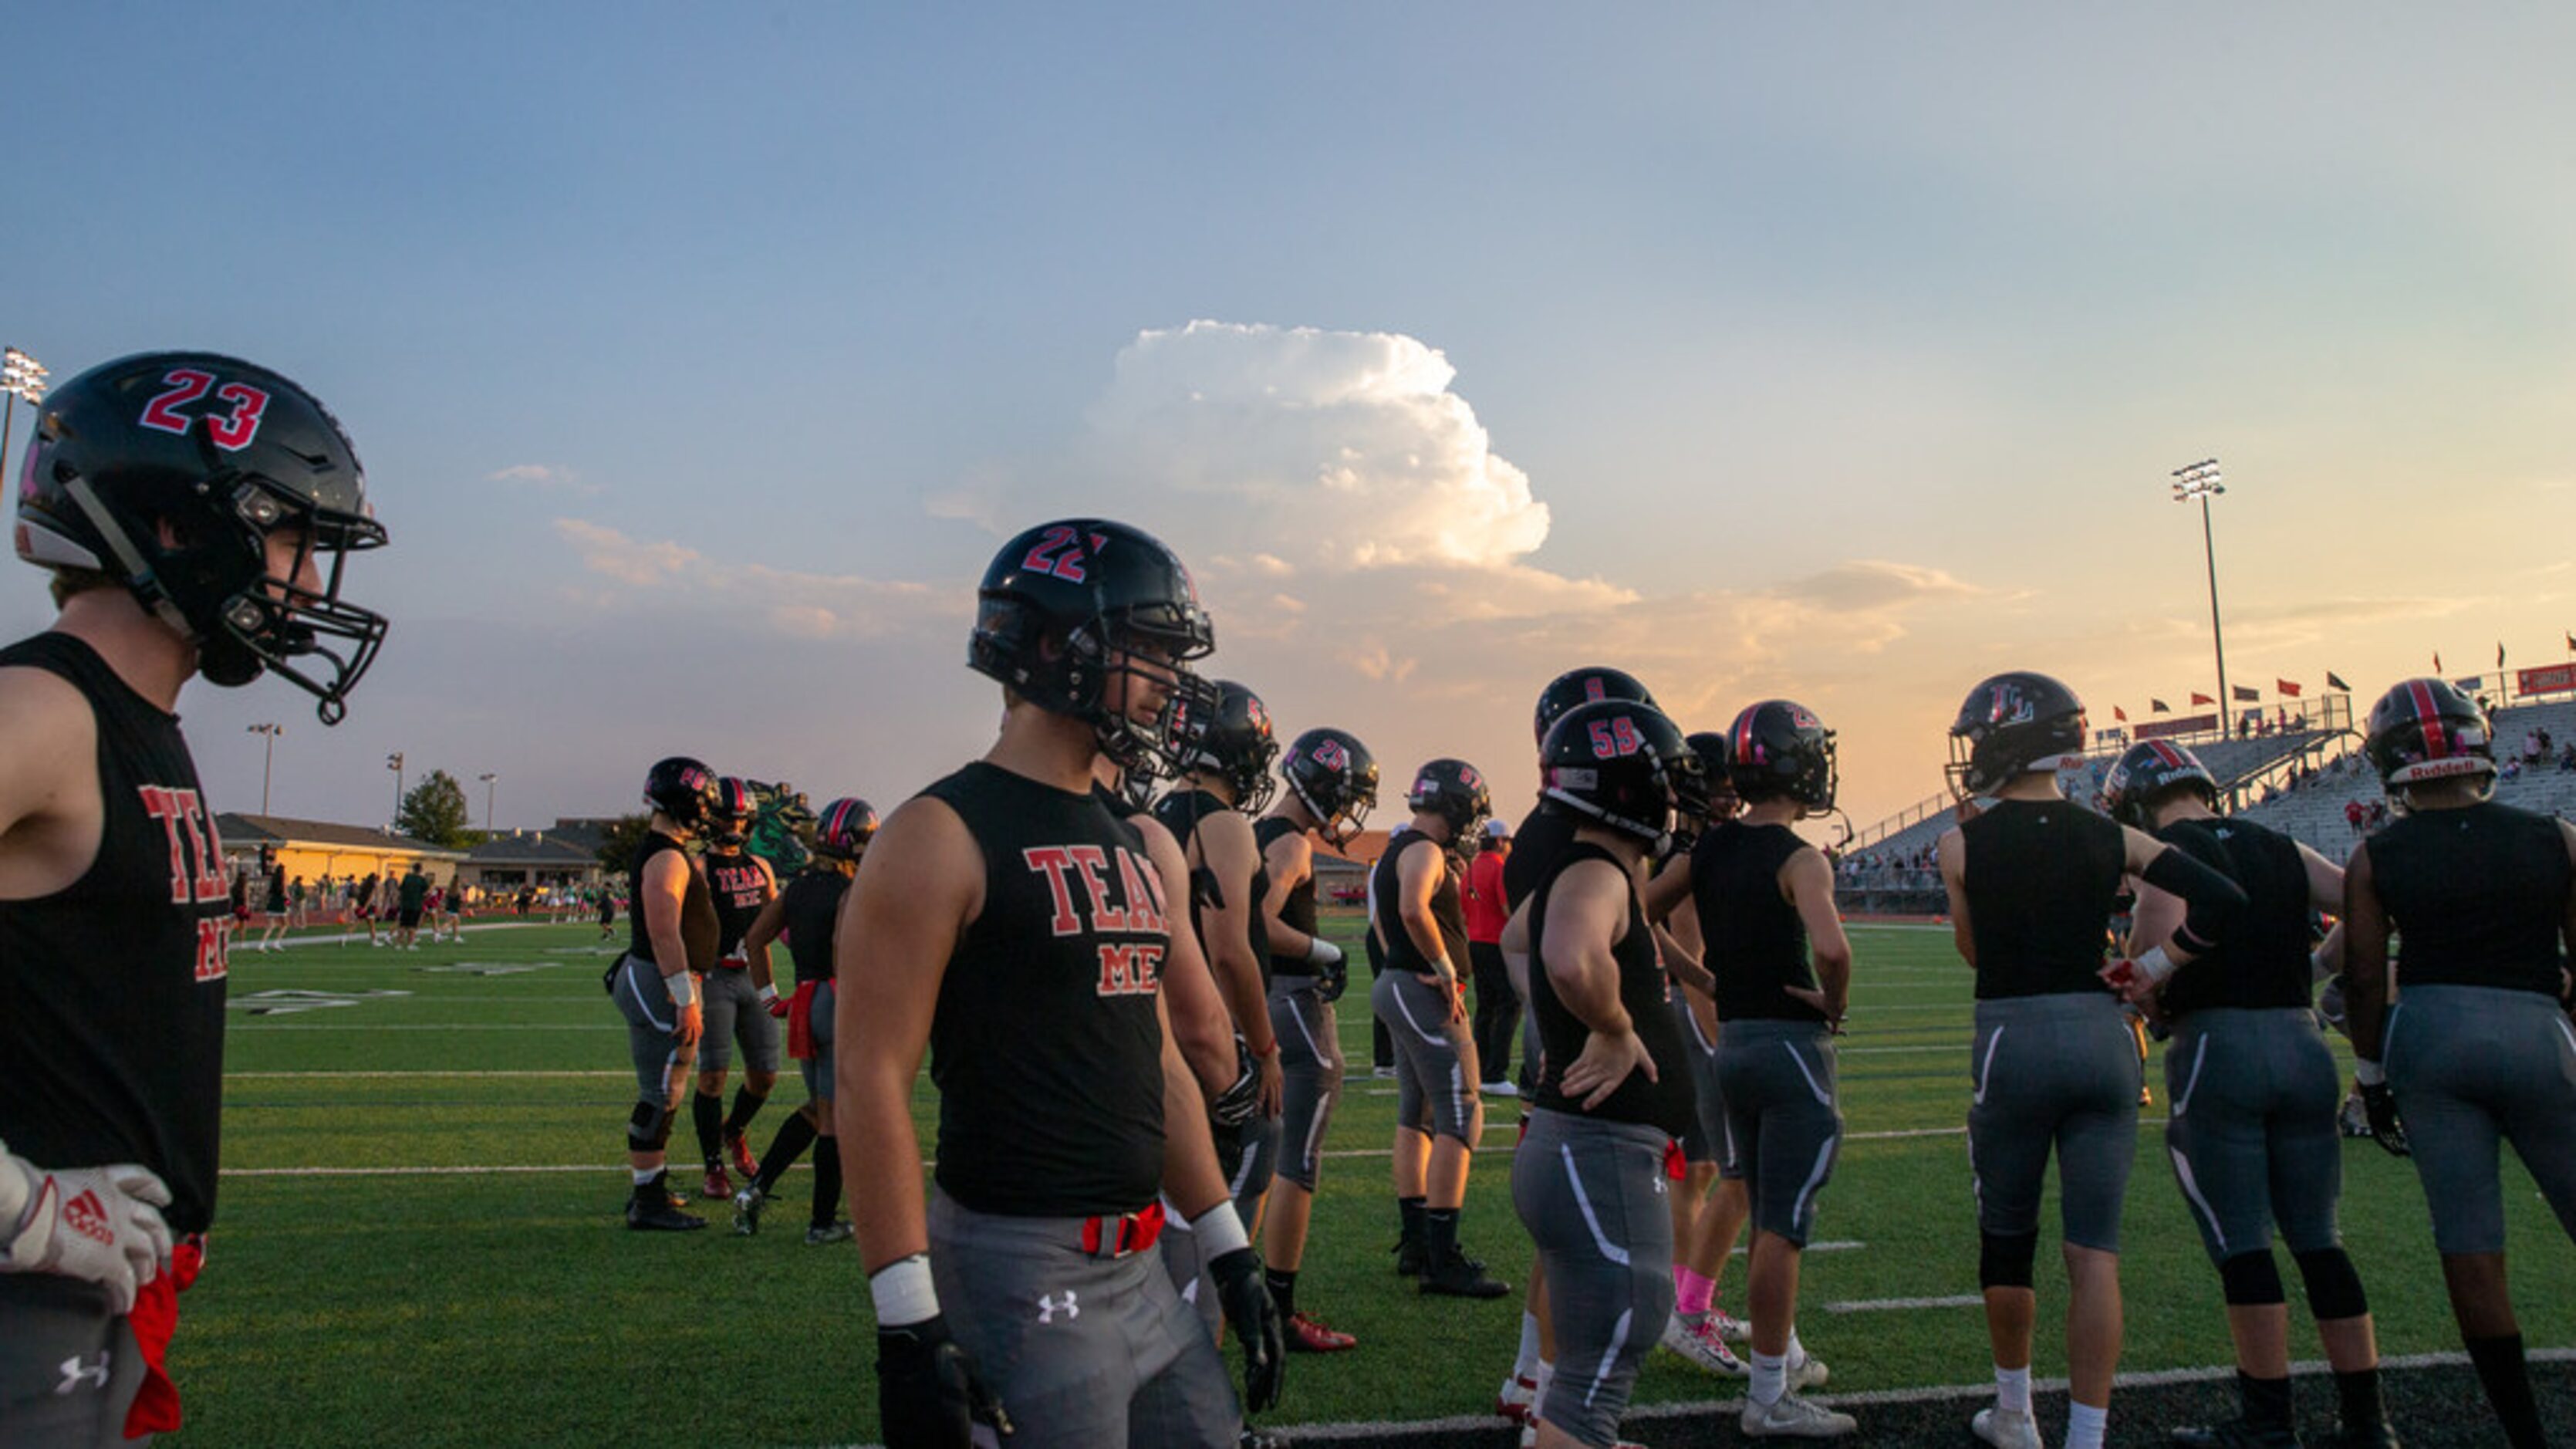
{"x": 2286, "y": 687}
{"x": 2335, "y": 681}
{"x": 2158, "y": 705}
{"x": 2437, "y": 661}
{"x": 2499, "y": 654}
{"x": 2199, "y": 698}
{"x": 2246, "y": 693}
{"x": 2119, "y": 714}
{"x": 2571, "y": 641}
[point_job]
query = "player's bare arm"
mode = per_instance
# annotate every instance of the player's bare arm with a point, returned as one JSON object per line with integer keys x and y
{"x": 1587, "y": 917}
{"x": 1194, "y": 1009}
{"x": 757, "y": 939}
{"x": 1951, "y": 850}
{"x": 1229, "y": 851}
{"x": 1807, "y": 881}
{"x": 663, "y": 892}
{"x": 50, "y": 810}
{"x": 2365, "y": 955}
{"x": 1290, "y": 861}
{"x": 920, "y": 886}
{"x": 1417, "y": 878}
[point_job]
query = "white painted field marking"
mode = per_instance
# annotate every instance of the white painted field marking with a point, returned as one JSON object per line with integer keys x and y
{"x": 1902, "y": 1305}
{"x": 598, "y": 1167}
{"x": 328, "y": 1076}
{"x": 241, "y": 1026}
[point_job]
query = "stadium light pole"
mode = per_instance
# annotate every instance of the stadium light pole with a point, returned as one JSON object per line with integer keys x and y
{"x": 394, "y": 762}
{"x": 488, "y": 777}
{"x": 268, "y": 760}
{"x": 21, "y": 376}
{"x": 2200, "y": 480}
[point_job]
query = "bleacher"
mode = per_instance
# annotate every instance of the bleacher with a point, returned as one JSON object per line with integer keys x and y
{"x": 2314, "y": 813}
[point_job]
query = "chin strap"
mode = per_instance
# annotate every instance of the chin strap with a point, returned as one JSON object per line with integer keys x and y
{"x": 139, "y": 575}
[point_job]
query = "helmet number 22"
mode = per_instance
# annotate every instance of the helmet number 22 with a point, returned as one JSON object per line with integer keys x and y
{"x": 1055, "y": 554}
{"x": 231, "y": 429}
{"x": 1612, "y": 738}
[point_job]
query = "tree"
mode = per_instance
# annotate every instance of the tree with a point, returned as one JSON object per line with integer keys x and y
{"x": 618, "y": 843}
{"x": 434, "y": 811}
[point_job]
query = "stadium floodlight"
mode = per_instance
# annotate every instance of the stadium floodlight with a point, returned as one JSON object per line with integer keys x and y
{"x": 24, "y": 377}
{"x": 488, "y": 776}
{"x": 272, "y": 731}
{"x": 394, "y": 762}
{"x": 2201, "y": 480}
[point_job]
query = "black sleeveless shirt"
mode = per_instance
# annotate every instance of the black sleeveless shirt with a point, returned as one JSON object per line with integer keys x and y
{"x": 1297, "y": 909}
{"x": 2476, "y": 894}
{"x": 1180, "y": 812}
{"x": 2042, "y": 876}
{"x": 1667, "y": 1102}
{"x": 2262, "y": 958}
{"x": 809, "y": 913}
{"x": 114, "y": 985}
{"x": 1046, "y": 1048}
{"x": 1544, "y": 835}
{"x": 739, "y": 888}
{"x": 1756, "y": 943}
{"x": 699, "y": 929}
{"x": 1448, "y": 911}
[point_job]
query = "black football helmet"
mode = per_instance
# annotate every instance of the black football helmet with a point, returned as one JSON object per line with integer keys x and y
{"x": 2426, "y": 729}
{"x": 1623, "y": 764}
{"x": 2146, "y": 774}
{"x": 1583, "y": 686}
{"x": 167, "y": 471}
{"x": 683, "y": 789}
{"x": 2014, "y": 724}
{"x": 1335, "y": 777}
{"x": 729, "y": 817}
{"x": 1454, "y": 791}
{"x": 1065, "y": 606}
{"x": 1233, "y": 740}
{"x": 1778, "y": 748}
{"x": 1711, "y": 748}
{"x": 845, "y": 827}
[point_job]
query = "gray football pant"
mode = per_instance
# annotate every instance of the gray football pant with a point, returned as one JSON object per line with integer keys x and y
{"x": 1784, "y": 1119}
{"x": 69, "y": 1368}
{"x": 734, "y": 1013}
{"x": 2472, "y": 1067}
{"x": 1435, "y": 1088}
{"x": 1310, "y": 1070}
{"x": 2252, "y": 1135}
{"x": 1592, "y": 1196}
{"x": 2053, "y": 1073}
{"x": 1085, "y": 1352}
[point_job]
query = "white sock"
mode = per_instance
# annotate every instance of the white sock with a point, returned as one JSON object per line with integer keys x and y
{"x": 642, "y": 1176}
{"x": 1797, "y": 1352}
{"x": 2012, "y": 1389}
{"x": 2084, "y": 1426}
{"x": 1770, "y": 1377}
{"x": 1546, "y": 1375}
{"x": 1528, "y": 1358}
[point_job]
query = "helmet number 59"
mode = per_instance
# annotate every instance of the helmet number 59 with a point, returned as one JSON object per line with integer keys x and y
{"x": 1612, "y": 738}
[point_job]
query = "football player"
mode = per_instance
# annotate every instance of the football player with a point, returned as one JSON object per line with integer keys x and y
{"x": 805, "y": 915}
{"x": 1332, "y": 786}
{"x": 1418, "y": 920}
{"x": 2478, "y": 1051}
{"x": 2253, "y": 1136}
{"x": 1614, "y": 1088}
{"x": 2032, "y": 880}
{"x": 1764, "y": 900}
{"x": 196, "y": 513}
{"x": 740, "y": 883}
{"x": 671, "y": 946}
{"x": 1009, "y": 917}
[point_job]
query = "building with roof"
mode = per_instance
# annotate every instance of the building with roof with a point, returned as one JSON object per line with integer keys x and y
{"x": 314, "y": 849}
{"x": 533, "y": 858}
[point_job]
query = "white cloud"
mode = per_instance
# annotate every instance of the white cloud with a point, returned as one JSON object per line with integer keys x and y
{"x": 800, "y": 605}
{"x": 606, "y": 551}
{"x": 547, "y": 478}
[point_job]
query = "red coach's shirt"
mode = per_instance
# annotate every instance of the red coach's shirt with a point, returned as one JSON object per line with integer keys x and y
{"x": 1486, "y": 910}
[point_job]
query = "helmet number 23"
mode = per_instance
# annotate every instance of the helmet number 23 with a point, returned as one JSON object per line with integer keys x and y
{"x": 231, "y": 429}
{"x": 1612, "y": 738}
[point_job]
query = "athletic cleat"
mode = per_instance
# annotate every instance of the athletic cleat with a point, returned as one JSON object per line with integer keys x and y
{"x": 1459, "y": 1276}
{"x": 738, "y": 1152}
{"x": 2006, "y": 1429}
{"x": 1728, "y": 1326}
{"x": 1500, "y": 1089}
{"x": 717, "y": 1187}
{"x": 1309, "y": 1334}
{"x": 1807, "y": 1371}
{"x": 827, "y": 1234}
{"x": 1512, "y": 1401}
{"x": 2235, "y": 1434}
{"x": 1382, "y": 1074}
{"x": 1409, "y": 1257}
{"x": 1791, "y": 1417}
{"x": 644, "y": 1217}
{"x": 746, "y": 1210}
{"x": 1698, "y": 1345}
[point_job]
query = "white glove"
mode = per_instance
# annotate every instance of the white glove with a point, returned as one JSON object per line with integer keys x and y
{"x": 102, "y": 1224}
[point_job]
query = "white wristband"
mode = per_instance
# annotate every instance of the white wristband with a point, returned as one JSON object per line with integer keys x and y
{"x": 2155, "y": 965}
{"x": 768, "y": 994}
{"x": 682, "y": 986}
{"x": 2368, "y": 1073}
{"x": 903, "y": 1292}
{"x": 1320, "y": 952}
{"x": 1219, "y": 1232}
{"x": 1444, "y": 970}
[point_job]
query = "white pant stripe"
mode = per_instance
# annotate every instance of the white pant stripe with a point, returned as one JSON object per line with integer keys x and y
{"x": 1618, "y": 1341}
{"x": 2199, "y": 1059}
{"x": 1820, "y": 1093}
{"x": 1592, "y": 1220}
{"x": 2191, "y": 1192}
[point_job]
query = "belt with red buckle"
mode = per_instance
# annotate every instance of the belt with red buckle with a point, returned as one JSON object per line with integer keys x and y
{"x": 1117, "y": 1236}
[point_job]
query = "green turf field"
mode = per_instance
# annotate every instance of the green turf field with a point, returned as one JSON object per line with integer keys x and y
{"x": 420, "y": 1238}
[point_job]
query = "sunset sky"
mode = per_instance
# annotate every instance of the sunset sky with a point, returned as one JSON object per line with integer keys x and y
{"x": 701, "y": 355}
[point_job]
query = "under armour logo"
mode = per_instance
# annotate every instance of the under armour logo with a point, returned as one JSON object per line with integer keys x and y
{"x": 76, "y": 1373}
{"x": 1048, "y": 1307}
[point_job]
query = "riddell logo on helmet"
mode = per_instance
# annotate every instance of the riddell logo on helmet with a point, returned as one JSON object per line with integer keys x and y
{"x": 87, "y": 1216}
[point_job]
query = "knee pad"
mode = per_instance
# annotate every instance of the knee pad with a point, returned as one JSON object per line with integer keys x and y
{"x": 2004, "y": 1260}
{"x": 2334, "y": 1287}
{"x": 2251, "y": 1280}
{"x": 649, "y": 1128}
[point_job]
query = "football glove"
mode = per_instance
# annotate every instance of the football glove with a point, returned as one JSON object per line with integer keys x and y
{"x": 102, "y": 1224}
{"x": 1254, "y": 1315}
{"x": 2386, "y": 1127}
{"x": 928, "y": 1393}
{"x": 1237, "y": 1105}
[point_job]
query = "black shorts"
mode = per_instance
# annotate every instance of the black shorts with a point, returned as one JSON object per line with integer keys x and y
{"x": 410, "y": 920}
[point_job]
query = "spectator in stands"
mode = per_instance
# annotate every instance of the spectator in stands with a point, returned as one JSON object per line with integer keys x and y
{"x": 2567, "y": 755}
{"x": 2355, "y": 814}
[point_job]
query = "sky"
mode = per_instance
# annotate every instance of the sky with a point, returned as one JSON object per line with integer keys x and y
{"x": 700, "y": 356}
